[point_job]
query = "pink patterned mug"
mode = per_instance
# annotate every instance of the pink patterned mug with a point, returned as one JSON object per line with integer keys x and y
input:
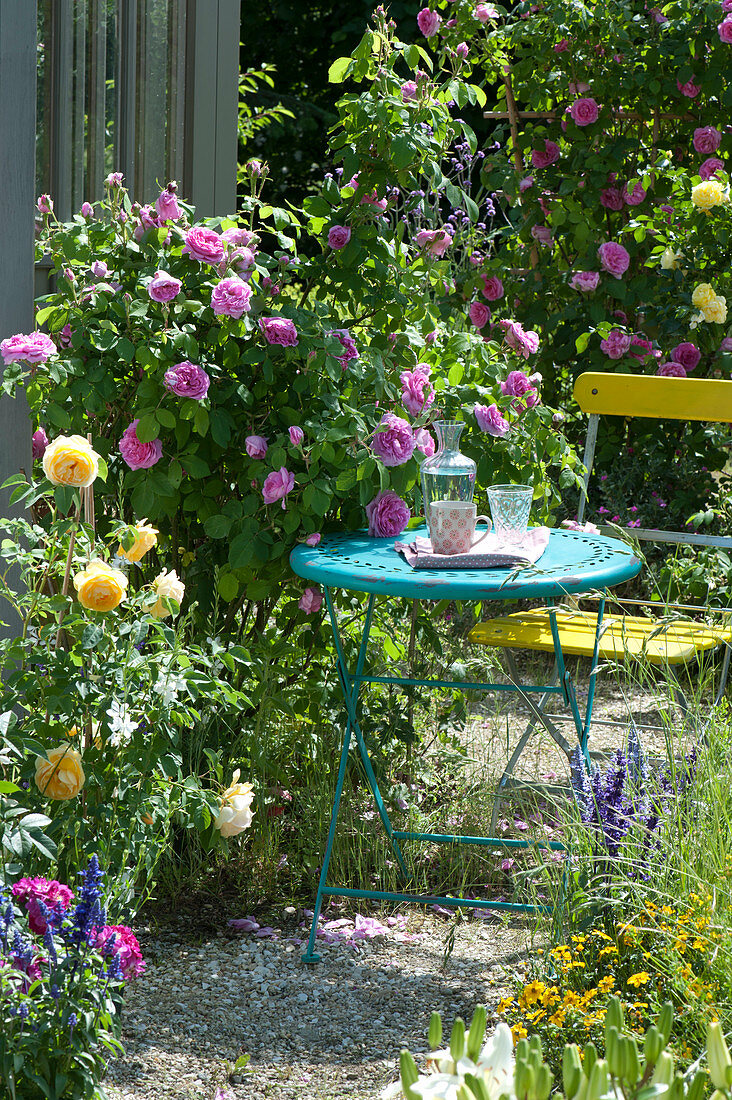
{"x": 452, "y": 526}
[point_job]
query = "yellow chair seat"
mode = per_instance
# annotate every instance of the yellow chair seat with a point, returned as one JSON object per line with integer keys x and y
{"x": 623, "y": 635}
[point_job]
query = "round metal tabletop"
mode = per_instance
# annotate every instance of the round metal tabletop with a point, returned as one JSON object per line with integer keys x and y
{"x": 572, "y": 562}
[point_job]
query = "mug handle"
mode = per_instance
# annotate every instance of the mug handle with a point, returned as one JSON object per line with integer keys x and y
{"x": 482, "y": 519}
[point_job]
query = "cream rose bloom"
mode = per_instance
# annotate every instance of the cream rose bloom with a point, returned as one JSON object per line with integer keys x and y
{"x": 100, "y": 587}
{"x": 670, "y": 260}
{"x": 145, "y": 538}
{"x": 167, "y": 586}
{"x": 716, "y": 310}
{"x": 59, "y": 774}
{"x": 703, "y": 295}
{"x": 71, "y": 461}
{"x": 708, "y": 194}
{"x": 235, "y": 814}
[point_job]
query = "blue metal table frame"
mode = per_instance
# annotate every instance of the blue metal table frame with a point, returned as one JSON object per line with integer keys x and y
{"x": 573, "y": 563}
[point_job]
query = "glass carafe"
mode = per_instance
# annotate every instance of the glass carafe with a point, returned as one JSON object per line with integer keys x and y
{"x": 448, "y": 475}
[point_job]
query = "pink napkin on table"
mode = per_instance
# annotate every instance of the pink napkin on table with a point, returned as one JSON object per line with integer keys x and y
{"x": 488, "y": 553}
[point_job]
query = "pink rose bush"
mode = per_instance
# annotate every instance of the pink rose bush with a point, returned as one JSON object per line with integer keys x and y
{"x": 52, "y": 894}
{"x": 387, "y": 515}
{"x": 139, "y": 455}
{"x": 187, "y": 380}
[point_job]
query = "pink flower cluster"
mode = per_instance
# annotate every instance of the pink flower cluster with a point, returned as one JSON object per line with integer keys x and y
{"x": 31, "y": 891}
{"x": 617, "y": 344}
{"x": 393, "y": 440}
{"x": 417, "y": 391}
{"x": 139, "y": 455}
{"x": 36, "y": 347}
{"x": 387, "y": 514}
{"x": 187, "y": 380}
{"x": 523, "y": 388}
{"x": 119, "y": 940}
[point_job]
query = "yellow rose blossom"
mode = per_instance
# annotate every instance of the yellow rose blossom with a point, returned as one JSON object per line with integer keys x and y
{"x": 670, "y": 259}
{"x": 235, "y": 813}
{"x": 71, "y": 461}
{"x": 145, "y": 538}
{"x": 702, "y": 296}
{"x": 59, "y": 774}
{"x": 167, "y": 587}
{"x": 100, "y": 587}
{"x": 716, "y": 310}
{"x": 708, "y": 194}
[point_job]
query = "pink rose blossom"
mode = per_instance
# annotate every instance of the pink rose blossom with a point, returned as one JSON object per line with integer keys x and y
{"x": 492, "y": 288}
{"x": 707, "y": 139}
{"x": 231, "y": 298}
{"x": 586, "y": 281}
{"x": 561, "y": 46}
{"x": 87, "y": 210}
{"x": 525, "y": 343}
{"x": 279, "y": 330}
{"x": 584, "y": 111}
{"x": 671, "y": 370}
{"x": 138, "y": 455}
{"x": 256, "y": 446}
{"x": 542, "y": 234}
{"x": 636, "y": 196}
{"x": 243, "y": 259}
{"x": 124, "y": 946}
{"x": 521, "y": 387}
{"x": 434, "y": 241}
{"x": 277, "y": 485}
{"x": 339, "y": 236}
{"x": 409, "y": 91}
{"x": 689, "y": 89}
{"x": 114, "y": 179}
{"x": 393, "y": 440}
{"x": 726, "y": 344}
{"x": 491, "y": 420}
{"x": 163, "y": 287}
{"x": 204, "y": 245}
{"x": 479, "y": 314}
{"x": 167, "y": 204}
{"x": 417, "y": 391}
{"x": 709, "y": 168}
{"x": 348, "y": 344}
{"x": 687, "y": 354}
{"x": 99, "y": 269}
{"x": 617, "y": 344}
{"x": 573, "y": 525}
{"x": 724, "y": 30}
{"x": 44, "y": 204}
{"x": 613, "y": 258}
{"x": 296, "y": 435}
{"x": 148, "y": 220}
{"x": 542, "y": 158}
{"x": 428, "y": 22}
{"x": 461, "y": 49}
{"x": 644, "y": 348}
{"x": 65, "y": 336}
{"x": 187, "y": 380}
{"x": 387, "y": 514}
{"x": 526, "y": 183}
{"x": 53, "y": 894}
{"x": 36, "y": 347}
{"x": 611, "y": 198}
{"x": 311, "y": 600}
{"x": 373, "y": 199}
{"x": 240, "y": 238}
{"x": 39, "y": 443}
{"x": 484, "y": 12}
{"x": 314, "y": 539}
{"x": 425, "y": 442}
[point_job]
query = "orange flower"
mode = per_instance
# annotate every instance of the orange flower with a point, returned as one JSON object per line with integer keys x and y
{"x": 100, "y": 587}
{"x": 59, "y": 774}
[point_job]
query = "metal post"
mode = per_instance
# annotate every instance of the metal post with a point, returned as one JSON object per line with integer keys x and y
{"x": 17, "y": 191}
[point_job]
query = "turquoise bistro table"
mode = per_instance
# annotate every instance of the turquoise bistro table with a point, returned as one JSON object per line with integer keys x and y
{"x": 574, "y": 562}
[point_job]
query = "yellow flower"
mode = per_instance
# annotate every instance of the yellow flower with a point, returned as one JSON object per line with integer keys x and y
{"x": 519, "y": 1032}
{"x": 235, "y": 813}
{"x": 167, "y": 587}
{"x": 708, "y": 194}
{"x": 639, "y": 979}
{"x": 59, "y": 774}
{"x": 145, "y": 538}
{"x": 70, "y": 461}
{"x": 533, "y": 992}
{"x": 702, "y": 296}
{"x": 670, "y": 259}
{"x": 558, "y": 1018}
{"x": 606, "y": 984}
{"x": 716, "y": 310}
{"x": 100, "y": 587}
{"x": 503, "y": 1004}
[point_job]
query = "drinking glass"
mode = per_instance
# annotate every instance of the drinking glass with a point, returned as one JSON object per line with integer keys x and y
{"x": 510, "y": 506}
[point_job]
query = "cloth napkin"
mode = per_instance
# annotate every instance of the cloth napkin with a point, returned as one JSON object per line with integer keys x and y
{"x": 489, "y": 553}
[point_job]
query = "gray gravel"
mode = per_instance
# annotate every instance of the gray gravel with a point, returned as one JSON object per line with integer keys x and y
{"x": 331, "y": 1031}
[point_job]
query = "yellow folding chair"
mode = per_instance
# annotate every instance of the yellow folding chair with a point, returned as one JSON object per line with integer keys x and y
{"x": 668, "y": 642}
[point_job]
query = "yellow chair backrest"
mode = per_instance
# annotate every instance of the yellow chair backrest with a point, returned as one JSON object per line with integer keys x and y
{"x": 654, "y": 396}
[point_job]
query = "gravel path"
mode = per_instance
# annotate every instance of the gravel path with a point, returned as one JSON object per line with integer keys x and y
{"x": 332, "y": 1031}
